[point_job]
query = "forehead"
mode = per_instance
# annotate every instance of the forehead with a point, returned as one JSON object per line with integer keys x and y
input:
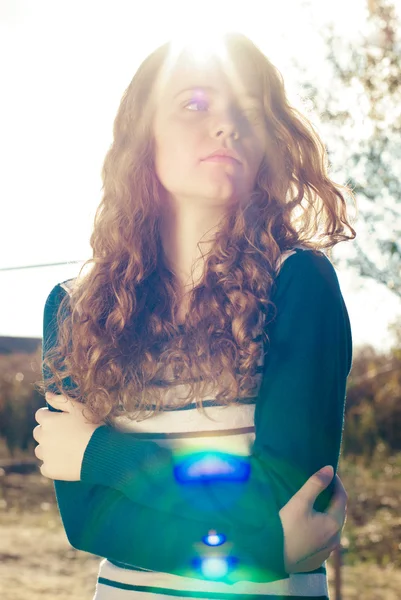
{"x": 232, "y": 74}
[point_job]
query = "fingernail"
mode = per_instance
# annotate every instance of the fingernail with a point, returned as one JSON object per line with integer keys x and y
{"x": 326, "y": 472}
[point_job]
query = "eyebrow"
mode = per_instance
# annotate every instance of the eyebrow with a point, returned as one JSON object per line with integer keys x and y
{"x": 214, "y": 90}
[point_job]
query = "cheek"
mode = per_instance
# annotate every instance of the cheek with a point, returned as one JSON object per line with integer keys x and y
{"x": 256, "y": 156}
{"x": 166, "y": 156}
{"x": 248, "y": 180}
{"x": 175, "y": 153}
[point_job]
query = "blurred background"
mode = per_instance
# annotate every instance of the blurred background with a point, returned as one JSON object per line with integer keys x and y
{"x": 64, "y": 69}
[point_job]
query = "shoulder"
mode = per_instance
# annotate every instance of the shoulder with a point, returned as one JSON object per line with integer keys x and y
{"x": 300, "y": 263}
{"x": 56, "y": 295}
{"x": 68, "y": 285}
{"x": 306, "y": 273}
{"x": 61, "y": 289}
{"x": 309, "y": 302}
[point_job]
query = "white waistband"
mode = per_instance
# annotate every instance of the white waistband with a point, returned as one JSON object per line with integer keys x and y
{"x": 297, "y": 584}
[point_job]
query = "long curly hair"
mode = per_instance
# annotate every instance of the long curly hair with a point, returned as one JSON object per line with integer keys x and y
{"x": 117, "y": 333}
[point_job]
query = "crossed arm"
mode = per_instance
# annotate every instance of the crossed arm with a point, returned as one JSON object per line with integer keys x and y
{"x": 129, "y": 506}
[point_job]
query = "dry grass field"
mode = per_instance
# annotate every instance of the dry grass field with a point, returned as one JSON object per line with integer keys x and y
{"x": 38, "y": 563}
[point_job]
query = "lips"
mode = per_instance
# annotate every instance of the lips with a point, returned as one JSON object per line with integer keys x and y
{"x": 223, "y": 154}
{"x": 222, "y": 159}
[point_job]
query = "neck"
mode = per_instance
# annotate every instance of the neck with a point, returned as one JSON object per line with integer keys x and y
{"x": 181, "y": 229}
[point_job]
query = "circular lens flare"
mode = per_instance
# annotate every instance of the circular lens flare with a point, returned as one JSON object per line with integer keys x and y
{"x": 214, "y": 568}
{"x": 213, "y": 538}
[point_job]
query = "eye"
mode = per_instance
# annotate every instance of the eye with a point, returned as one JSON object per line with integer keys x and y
{"x": 202, "y": 104}
{"x": 199, "y": 102}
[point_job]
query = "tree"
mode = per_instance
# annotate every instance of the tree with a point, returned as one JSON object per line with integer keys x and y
{"x": 359, "y": 116}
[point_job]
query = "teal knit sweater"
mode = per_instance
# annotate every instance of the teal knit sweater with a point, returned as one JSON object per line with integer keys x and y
{"x": 133, "y": 504}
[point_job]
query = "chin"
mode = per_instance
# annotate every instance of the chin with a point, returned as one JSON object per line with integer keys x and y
{"x": 222, "y": 191}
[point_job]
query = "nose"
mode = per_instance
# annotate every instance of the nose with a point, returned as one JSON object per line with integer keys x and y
{"x": 225, "y": 126}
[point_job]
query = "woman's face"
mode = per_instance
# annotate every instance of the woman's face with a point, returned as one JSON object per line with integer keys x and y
{"x": 200, "y": 110}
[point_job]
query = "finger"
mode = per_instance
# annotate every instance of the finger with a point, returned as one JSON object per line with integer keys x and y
{"x": 36, "y": 433}
{"x": 60, "y": 401}
{"x": 38, "y": 452}
{"x": 312, "y": 488}
{"x": 53, "y": 398}
{"x": 337, "y": 508}
{"x": 40, "y": 413}
{"x": 43, "y": 470}
{"x": 339, "y": 486}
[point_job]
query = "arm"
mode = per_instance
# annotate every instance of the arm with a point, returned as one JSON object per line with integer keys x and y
{"x": 304, "y": 387}
{"x": 299, "y": 412}
{"x": 307, "y": 297}
{"x": 103, "y": 521}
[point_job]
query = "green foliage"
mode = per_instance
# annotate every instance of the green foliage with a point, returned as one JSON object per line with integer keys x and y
{"x": 358, "y": 115}
{"x": 372, "y": 531}
{"x": 19, "y": 400}
{"x": 373, "y": 403}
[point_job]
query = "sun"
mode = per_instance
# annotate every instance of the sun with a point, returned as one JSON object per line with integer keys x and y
{"x": 202, "y": 44}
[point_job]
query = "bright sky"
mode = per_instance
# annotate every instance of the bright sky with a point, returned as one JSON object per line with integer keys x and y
{"x": 67, "y": 65}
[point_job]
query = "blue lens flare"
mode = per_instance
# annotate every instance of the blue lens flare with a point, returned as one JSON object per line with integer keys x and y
{"x": 214, "y": 567}
{"x": 214, "y": 539}
{"x": 212, "y": 466}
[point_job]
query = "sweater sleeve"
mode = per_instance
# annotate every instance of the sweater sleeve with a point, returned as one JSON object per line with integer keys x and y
{"x": 144, "y": 518}
{"x": 299, "y": 417}
{"x": 298, "y": 427}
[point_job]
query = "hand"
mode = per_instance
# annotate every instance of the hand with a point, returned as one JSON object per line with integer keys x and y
{"x": 311, "y": 536}
{"x": 63, "y": 437}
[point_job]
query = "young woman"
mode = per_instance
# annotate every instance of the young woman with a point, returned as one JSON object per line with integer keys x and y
{"x": 197, "y": 391}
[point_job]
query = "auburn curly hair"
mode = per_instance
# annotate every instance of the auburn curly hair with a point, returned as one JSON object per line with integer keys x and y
{"x": 117, "y": 333}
